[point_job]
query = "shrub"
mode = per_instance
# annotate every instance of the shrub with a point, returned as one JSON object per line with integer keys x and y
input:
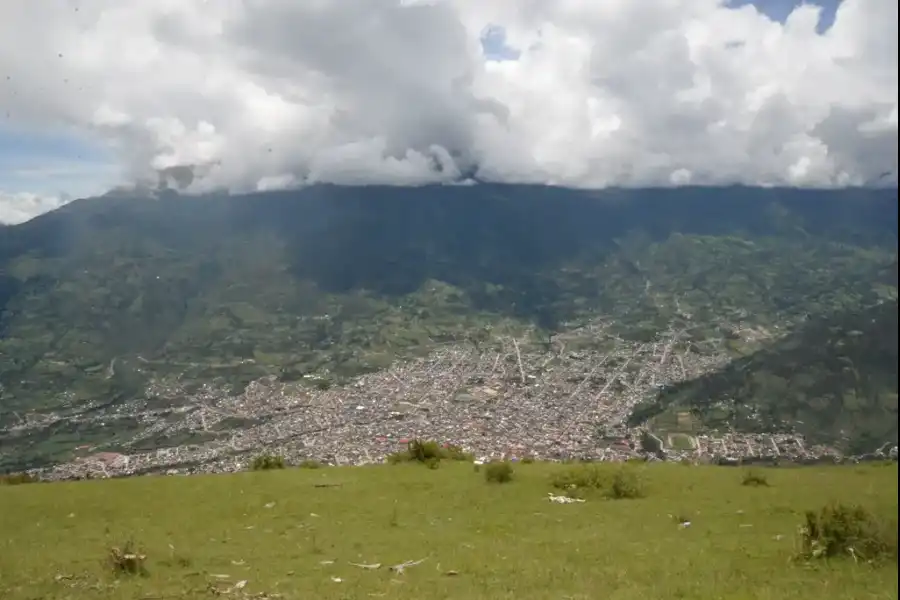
{"x": 841, "y": 530}
{"x": 396, "y": 458}
{"x": 267, "y": 462}
{"x": 127, "y": 560}
{"x": 527, "y": 459}
{"x": 590, "y": 479}
{"x": 498, "y": 472}
{"x": 427, "y": 452}
{"x": 17, "y": 479}
{"x": 451, "y": 452}
{"x": 626, "y": 484}
{"x": 310, "y": 464}
{"x": 755, "y": 479}
{"x": 421, "y": 451}
{"x": 579, "y": 480}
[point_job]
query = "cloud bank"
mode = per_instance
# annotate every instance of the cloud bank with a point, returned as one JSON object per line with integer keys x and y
{"x": 18, "y": 207}
{"x": 262, "y": 94}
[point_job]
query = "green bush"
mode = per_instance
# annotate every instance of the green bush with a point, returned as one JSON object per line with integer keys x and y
{"x": 396, "y": 458}
{"x": 451, "y": 452}
{"x": 268, "y": 462}
{"x": 310, "y": 464}
{"x": 840, "y": 530}
{"x": 587, "y": 480}
{"x": 755, "y": 479}
{"x": 17, "y": 479}
{"x": 427, "y": 452}
{"x": 626, "y": 484}
{"x": 422, "y": 451}
{"x": 498, "y": 472}
{"x": 579, "y": 481}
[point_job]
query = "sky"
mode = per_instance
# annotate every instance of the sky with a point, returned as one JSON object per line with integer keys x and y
{"x": 247, "y": 95}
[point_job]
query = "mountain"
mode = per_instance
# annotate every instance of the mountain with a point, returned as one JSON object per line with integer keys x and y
{"x": 105, "y": 298}
{"x": 833, "y": 380}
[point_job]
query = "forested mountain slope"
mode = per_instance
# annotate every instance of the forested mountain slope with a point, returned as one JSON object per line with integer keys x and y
{"x": 108, "y": 294}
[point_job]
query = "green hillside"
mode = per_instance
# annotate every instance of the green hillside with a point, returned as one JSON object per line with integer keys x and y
{"x": 834, "y": 379}
{"x": 104, "y": 297}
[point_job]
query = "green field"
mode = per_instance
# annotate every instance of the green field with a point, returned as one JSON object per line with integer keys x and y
{"x": 279, "y": 531}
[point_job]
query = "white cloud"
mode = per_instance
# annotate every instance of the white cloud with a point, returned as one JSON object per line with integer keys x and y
{"x": 265, "y": 93}
{"x": 20, "y": 206}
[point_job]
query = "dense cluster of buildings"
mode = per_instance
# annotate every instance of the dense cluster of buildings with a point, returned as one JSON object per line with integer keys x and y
{"x": 512, "y": 400}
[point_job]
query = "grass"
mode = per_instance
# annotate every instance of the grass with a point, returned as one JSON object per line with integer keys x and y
{"x": 295, "y": 532}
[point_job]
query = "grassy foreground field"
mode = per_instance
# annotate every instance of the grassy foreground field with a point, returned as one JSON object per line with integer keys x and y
{"x": 295, "y": 533}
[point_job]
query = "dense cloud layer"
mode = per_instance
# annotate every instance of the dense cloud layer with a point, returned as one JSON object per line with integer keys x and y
{"x": 256, "y": 94}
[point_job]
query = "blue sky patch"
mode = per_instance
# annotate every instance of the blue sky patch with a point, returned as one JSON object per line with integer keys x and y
{"x": 494, "y": 46}
{"x": 46, "y": 162}
{"x": 778, "y": 10}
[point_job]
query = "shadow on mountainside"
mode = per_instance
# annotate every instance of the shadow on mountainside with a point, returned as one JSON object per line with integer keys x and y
{"x": 390, "y": 240}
